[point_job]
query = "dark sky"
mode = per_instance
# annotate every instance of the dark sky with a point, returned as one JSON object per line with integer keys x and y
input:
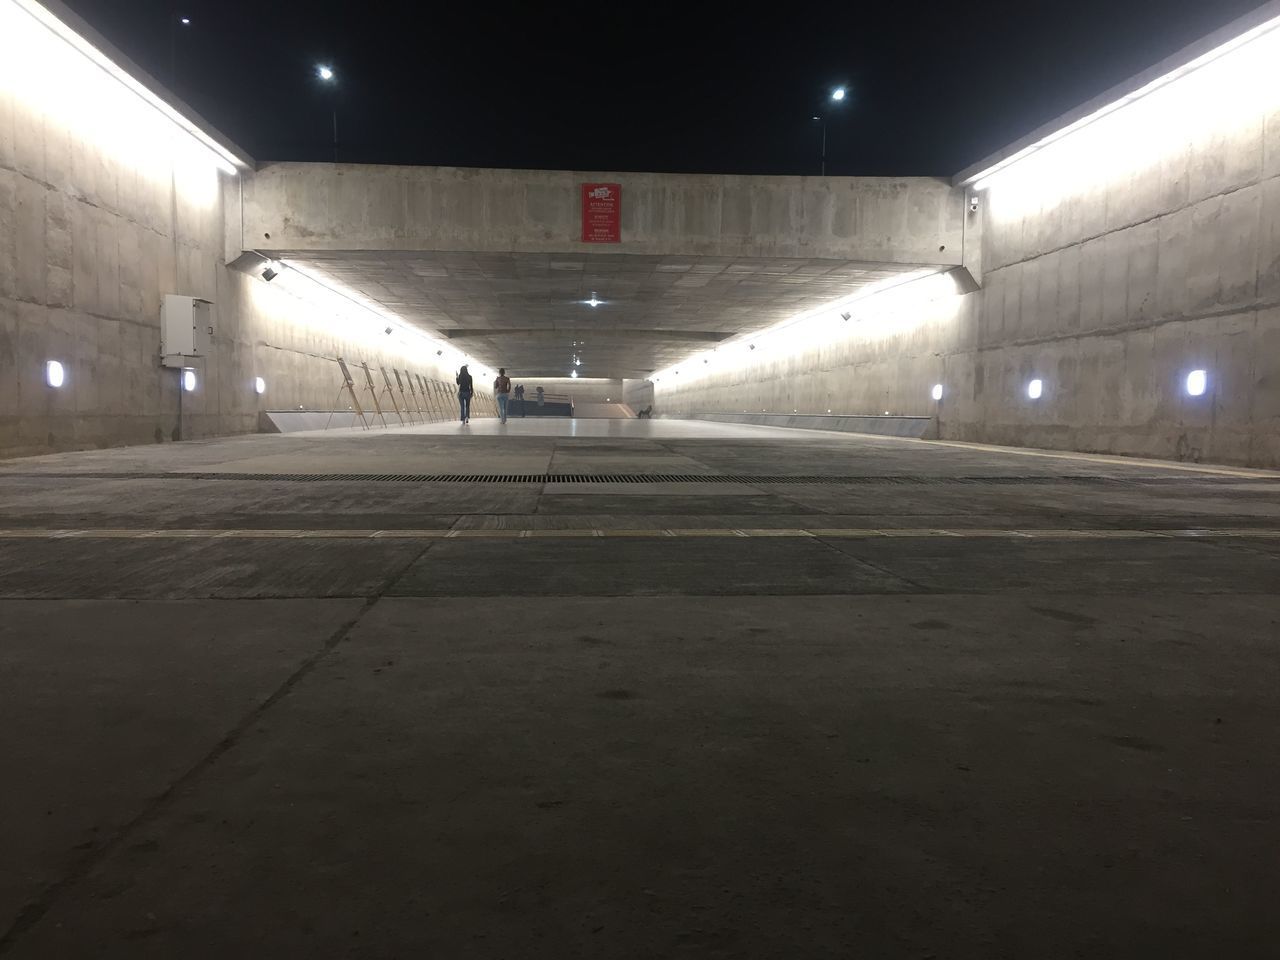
{"x": 665, "y": 87}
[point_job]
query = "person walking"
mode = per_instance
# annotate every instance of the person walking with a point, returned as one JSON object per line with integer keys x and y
{"x": 542, "y": 397}
{"x": 519, "y": 395}
{"x": 502, "y": 390}
{"x": 465, "y": 389}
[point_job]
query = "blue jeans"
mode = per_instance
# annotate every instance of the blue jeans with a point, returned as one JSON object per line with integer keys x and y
{"x": 502, "y": 407}
{"x": 464, "y": 407}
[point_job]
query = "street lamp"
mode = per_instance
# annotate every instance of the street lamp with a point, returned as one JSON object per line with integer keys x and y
{"x": 328, "y": 77}
{"x": 838, "y": 96}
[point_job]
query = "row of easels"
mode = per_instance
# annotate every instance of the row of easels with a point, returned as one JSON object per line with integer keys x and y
{"x": 429, "y": 400}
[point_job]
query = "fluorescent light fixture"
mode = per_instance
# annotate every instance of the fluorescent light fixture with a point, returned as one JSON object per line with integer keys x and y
{"x": 324, "y": 72}
{"x": 259, "y": 386}
{"x": 188, "y": 379}
{"x": 26, "y": 26}
{"x": 1035, "y": 389}
{"x": 1234, "y": 78}
{"x": 1197, "y": 382}
{"x": 936, "y": 392}
{"x": 906, "y": 293}
{"x": 54, "y": 375}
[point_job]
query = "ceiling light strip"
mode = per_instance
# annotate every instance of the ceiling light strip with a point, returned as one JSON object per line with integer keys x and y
{"x": 224, "y": 158}
{"x": 983, "y": 178}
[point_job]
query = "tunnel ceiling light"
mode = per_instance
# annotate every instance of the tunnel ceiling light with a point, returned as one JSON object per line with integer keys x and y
{"x": 838, "y": 94}
{"x": 324, "y": 72}
{"x": 44, "y": 18}
{"x": 1035, "y": 389}
{"x": 186, "y": 21}
{"x": 259, "y": 386}
{"x": 936, "y": 392}
{"x": 595, "y": 301}
{"x": 1178, "y": 98}
{"x": 54, "y": 375}
{"x": 573, "y": 373}
{"x": 188, "y": 379}
{"x": 1197, "y": 382}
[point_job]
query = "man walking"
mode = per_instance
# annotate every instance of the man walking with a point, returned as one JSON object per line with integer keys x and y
{"x": 502, "y": 390}
{"x": 519, "y": 396}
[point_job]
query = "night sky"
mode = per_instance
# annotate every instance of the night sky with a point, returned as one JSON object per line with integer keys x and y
{"x": 625, "y": 86}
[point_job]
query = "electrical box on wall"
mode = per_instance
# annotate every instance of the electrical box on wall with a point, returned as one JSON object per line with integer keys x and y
{"x": 186, "y": 324}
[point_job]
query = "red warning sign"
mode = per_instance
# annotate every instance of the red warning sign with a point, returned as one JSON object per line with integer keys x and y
{"x": 601, "y": 213}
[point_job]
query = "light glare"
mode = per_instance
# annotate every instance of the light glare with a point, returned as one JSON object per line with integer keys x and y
{"x": 1197, "y": 381}
{"x": 188, "y": 379}
{"x": 54, "y": 375}
{"x": 837, "y": 94}
{"x": 1034, "y": 389}
{"x": 324, "y": 73}
{"x": 936, "y": 393}
{"x": 259, "y": 385}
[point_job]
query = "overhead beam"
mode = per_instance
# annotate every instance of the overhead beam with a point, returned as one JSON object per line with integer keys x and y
{"x": 697, "y": 336}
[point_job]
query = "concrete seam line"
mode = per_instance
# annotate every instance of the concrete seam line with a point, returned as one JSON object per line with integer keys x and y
{"x": 34, "y": 911}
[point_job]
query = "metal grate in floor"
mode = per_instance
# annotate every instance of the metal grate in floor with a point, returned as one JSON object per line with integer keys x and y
{"x": 652, "y": 478}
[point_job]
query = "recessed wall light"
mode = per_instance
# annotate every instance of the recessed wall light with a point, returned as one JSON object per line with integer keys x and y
{"x": 54, "y": 375}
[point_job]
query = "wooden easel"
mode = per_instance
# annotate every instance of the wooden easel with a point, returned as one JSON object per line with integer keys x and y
{"x": 348, "y": 385}
{"x": 373, "y": 392}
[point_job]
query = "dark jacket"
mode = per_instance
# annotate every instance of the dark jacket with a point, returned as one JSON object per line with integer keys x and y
{"x": 465, "y": 388}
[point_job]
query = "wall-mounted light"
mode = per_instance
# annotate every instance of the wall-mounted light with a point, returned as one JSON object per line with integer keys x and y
{"x": 54, "y": 375}
{"x": 188, "y": 379}
{"x": 259, "y": 386}
{"x": 1035, "y": 389}
{"x": 1197, "y": 383}
{"x": 573, "y": 373}
{"x": 936, "y": 392}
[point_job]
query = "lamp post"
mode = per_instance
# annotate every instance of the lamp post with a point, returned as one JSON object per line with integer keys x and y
{"x": 837, "y": 96}
{"x": 176, "y": 22}
{"x": 329, "y": 78}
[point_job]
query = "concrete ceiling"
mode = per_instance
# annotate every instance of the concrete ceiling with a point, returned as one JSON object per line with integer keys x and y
{"x": 525, "y": 311}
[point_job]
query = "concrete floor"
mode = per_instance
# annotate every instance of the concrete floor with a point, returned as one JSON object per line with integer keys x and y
{"x": 963, "y": 702}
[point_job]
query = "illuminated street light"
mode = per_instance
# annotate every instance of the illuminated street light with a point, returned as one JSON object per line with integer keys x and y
{"x": 838, "y": 96}
{"x": 327, "y": 76}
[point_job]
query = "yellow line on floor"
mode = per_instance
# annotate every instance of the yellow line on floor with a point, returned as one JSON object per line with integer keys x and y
{"x": 692, "y": 533}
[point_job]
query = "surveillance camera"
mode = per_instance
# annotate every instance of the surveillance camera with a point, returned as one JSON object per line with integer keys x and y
{"x": 387, "y": 331}
{"x": 268, "y": 274}
{"x": 973, "y": 204}
{"x": 846, "y": 315}
{"x": 751, "y": 346}
{"x": 439, "y": 353}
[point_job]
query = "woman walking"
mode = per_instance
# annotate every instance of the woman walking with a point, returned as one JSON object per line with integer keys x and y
{"x": 465, "y": 389}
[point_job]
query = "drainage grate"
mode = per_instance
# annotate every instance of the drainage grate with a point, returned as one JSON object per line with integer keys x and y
{"x": 650, "y": 478}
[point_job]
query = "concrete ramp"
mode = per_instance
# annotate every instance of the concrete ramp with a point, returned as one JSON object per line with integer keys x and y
{"x": 603, "y": 411}
{"x": 885, "y": 426}
{"x": 295, "y": 421}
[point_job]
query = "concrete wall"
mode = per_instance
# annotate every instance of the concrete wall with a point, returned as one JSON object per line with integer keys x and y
{"x": 93, "y": 231}
{"x": 1109, "y": 277}
{"x": 300, "y": 207}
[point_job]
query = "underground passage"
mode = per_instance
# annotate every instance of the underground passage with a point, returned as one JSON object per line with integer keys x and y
{"x": 469, "y": 561}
